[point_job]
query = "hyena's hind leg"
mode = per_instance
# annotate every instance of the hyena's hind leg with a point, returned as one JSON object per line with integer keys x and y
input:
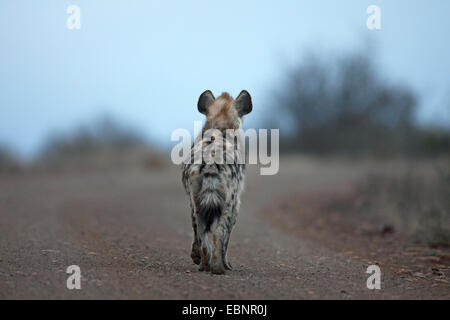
{"x": 230, "y": 221}
{"x": 196, "y": 244}
{"x": 226, "y": 263}
{"x": 205, "y": 247}
{"x": 221, "y": 237}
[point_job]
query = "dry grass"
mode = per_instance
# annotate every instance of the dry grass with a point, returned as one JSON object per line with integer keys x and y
{"x": 414, "y": 203}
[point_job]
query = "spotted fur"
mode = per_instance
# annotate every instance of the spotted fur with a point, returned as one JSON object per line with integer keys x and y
{"x": 215, "y": 188}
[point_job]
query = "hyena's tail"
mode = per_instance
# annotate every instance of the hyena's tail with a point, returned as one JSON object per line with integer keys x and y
{"x": 211, "y": 199}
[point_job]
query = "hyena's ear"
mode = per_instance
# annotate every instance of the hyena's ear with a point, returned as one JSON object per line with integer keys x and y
{"x": 204, "y": 101}
{"x": 244, "y": 103}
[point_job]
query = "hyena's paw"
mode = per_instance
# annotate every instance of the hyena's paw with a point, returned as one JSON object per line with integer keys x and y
{"x": 218, "y": 269}
{"x": 196, "y": 253}
{"x": 204, "y": 267}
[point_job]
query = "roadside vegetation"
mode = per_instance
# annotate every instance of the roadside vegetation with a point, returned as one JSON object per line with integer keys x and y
{"x": 100, "y": 144}
{"x": 346, "y": 106}
{"x": 9, "y": 162}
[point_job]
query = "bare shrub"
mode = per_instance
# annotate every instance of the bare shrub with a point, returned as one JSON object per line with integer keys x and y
{"x": 346, "y": 105}
{"x": 102, "y": 134}
{"x": 100, "y": 144}
{"x": 9, "y": 163}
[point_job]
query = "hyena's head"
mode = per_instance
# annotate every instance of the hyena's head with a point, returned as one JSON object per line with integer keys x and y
{"x": 224, "y": 112}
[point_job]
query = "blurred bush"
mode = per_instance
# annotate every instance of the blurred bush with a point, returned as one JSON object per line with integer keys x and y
{"x": 101, "y": 143}
{"x": 102, "y": 134}
{"x": 434, "y": 141}
{"x": 345, "y": 105}
{"x": 9, "y": 163}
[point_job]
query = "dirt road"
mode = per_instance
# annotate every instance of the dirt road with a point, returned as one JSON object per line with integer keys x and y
{"x": 130, "y": 234}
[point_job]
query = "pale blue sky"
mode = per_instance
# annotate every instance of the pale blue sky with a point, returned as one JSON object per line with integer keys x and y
{"x": 147, "y": 62}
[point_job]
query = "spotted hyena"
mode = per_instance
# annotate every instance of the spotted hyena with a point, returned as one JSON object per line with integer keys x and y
{"x": 215, "y": 187}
